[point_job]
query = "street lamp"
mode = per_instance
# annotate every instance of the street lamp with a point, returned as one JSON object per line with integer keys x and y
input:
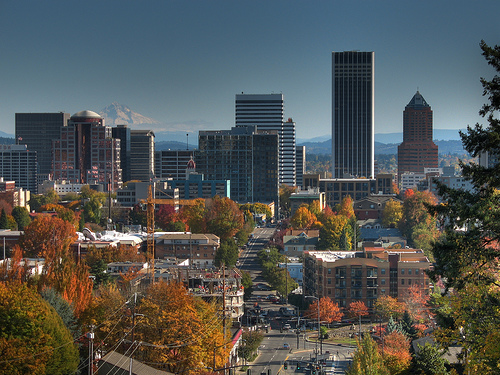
{"x": 319, "y": 325}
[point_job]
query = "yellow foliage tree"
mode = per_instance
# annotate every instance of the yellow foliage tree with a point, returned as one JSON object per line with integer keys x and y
{"x": 180, "y": 332}
{"x": 392, "y": 213}
{"x": 303, "y": 219}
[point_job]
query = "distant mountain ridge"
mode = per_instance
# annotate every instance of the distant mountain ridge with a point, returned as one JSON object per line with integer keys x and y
{"x": 444, "y": 147}
{"x": 167, "y": 136}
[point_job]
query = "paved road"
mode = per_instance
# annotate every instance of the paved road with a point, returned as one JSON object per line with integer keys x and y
{"x": 272, "y": 354}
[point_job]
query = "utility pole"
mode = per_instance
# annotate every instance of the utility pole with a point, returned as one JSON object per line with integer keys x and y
{"x": 90, "y": 336}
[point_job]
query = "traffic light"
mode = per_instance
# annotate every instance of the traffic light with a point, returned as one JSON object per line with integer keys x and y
{"x": 249, "y": 371}
{"x": 299, "y": 367}
{"x": 285, "y": 365}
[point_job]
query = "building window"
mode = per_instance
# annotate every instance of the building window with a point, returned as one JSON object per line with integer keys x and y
{"x": 402, "y": 281}
{"x": 382, "y": 281}
{"x": 402, "y": 271}
{"x": 409, "y": 271}
{"x": 382, "y": 271}
{"x": 416, "y": 271}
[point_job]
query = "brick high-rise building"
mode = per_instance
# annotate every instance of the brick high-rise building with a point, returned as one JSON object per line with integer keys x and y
{"x": 418, "y": 151}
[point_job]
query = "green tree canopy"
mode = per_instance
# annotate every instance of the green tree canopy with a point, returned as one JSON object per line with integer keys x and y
{"x": 227, "y": 253}
{"x": 466, "y": 257}
{"x": 428, "y": 360}
{"x": 22, "y": 217}
{"x": 4, "y": 221}
{"x": 29, "y": 326}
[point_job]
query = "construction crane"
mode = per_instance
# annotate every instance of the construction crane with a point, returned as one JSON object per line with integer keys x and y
{"x": 150, "y": 213}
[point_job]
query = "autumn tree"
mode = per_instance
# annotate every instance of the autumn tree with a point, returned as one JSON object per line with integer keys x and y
{"x": 223, "y": 217}
{"x": 329, "y": 311}
{"x": 179, "y": 332}
{"x": 416, "y": 302}
{"x": 168, "y": 219}
{"x": 346, "y": 207}
{"x": 392, "y": 213}
{"x": 367, "y": 359}
{"x": 29, "y": 326}
{"x": 303, "y": 218}
{"x": 417, "y": 223}
{"x": 194, "y": 216}
{"x": 50, "y": 238}
{"x": 466, "y": 257}
{"x": 397, "y": 357}
{"x": 389, "y": 306}
{"x": 256, "y": 208}
{"x": 357, "y": 309}
{"x": 324, "y": 215}
{"x": 333, "y": 232}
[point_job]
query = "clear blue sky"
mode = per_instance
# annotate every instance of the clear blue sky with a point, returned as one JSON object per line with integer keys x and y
{"x": 182, "y": 62}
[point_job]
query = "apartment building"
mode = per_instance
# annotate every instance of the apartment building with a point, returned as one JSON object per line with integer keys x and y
{"x": 348, "y": 276}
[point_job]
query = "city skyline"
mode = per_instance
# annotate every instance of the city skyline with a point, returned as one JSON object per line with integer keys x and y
{"x": 182, "y": 63}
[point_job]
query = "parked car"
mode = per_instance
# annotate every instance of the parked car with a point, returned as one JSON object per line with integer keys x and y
{"x": 261, "y": 286}
{"x": 286, "y": 346}
{"x": 286, "y": 327}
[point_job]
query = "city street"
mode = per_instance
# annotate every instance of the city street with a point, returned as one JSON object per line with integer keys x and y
{"x": 278, "y": 347}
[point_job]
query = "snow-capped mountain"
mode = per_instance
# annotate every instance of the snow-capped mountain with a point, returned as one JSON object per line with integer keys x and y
{"x": 119, "y": 114}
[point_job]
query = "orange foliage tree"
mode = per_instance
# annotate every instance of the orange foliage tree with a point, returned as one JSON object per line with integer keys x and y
{"x": 329, "y": 311}
{"x": 357, "y": 309}
{"x": 416, "y": 302}
{"x": 303, "y": 218}
{"x": 179, "y": 332}
{"x": 50, "y": 238}
{"x": 396, "y": 352}
{"x": 346, "y": 207}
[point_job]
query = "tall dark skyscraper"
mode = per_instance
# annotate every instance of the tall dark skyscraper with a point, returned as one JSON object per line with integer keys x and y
{"x": 353, "y": 125}
{"x": 122, "y": 132}
{"x": 37, "y": 131}
{"x": 418, "y": 151}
